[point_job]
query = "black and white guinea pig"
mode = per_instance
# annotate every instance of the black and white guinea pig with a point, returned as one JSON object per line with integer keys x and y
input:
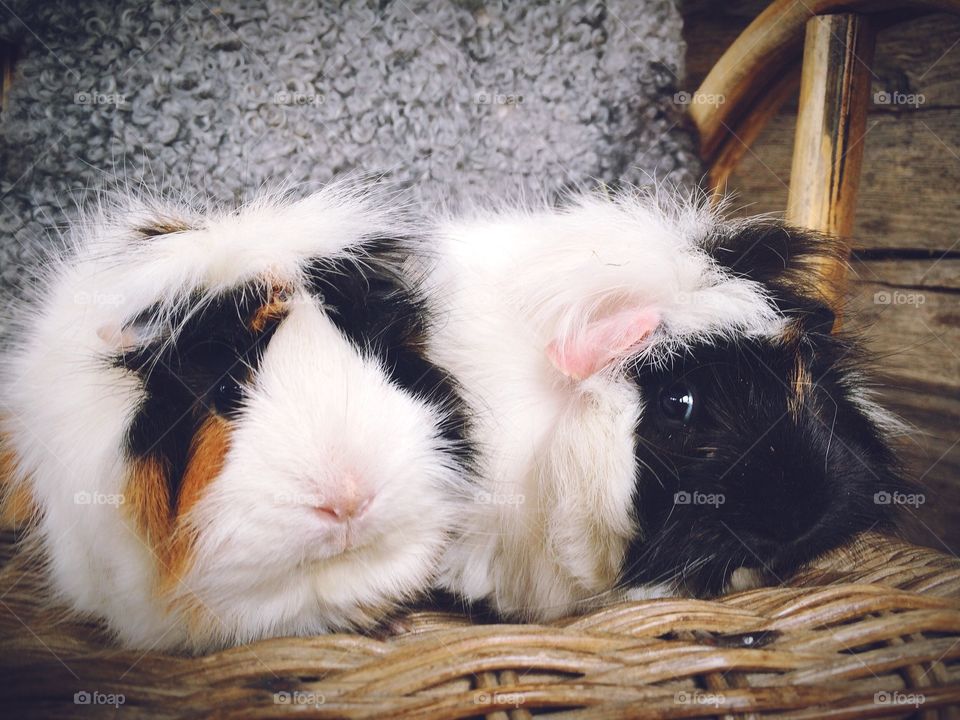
{"x": 225, "y": 424}
{"x": 656, "y": 400}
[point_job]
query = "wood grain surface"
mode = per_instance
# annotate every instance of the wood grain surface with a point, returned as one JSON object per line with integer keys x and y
{"x": 831, "y": 124}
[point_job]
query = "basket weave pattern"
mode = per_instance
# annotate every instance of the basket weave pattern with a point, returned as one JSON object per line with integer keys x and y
{"x": 871, "y": 631}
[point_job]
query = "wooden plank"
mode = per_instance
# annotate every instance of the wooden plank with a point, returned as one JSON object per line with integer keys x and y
{"x": 709, "y": 28}
{"x": 938, "y": 271}
{"x": 915, "y": 339}
{"x": 740, "y": 139}
{"x": 920, "y": 57}
{"x": 916, "y": 333}
{"x": 909, "y": 174}
{"x": 931, "y": 459}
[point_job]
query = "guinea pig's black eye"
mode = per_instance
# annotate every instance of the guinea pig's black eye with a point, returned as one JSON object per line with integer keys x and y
{"x": 677, "y": 402}
{"x": 227, "y": 394}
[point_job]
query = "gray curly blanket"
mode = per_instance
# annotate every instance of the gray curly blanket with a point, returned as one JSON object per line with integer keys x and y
{"x": 449, "y": 99}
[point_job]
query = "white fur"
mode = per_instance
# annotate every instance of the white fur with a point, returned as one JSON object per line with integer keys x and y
{"x": 546, "y": 530}
{"x": 265, "y": 563}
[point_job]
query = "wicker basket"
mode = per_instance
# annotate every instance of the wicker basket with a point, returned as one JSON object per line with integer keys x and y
{"x": 870, "y": 631}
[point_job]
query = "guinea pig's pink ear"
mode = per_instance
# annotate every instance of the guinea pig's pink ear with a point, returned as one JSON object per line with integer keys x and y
{"x": 603, "y": 341}
{"x": 122, "y": 338}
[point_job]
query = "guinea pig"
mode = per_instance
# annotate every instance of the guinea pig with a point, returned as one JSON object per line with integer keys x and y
{"x": 656, "y": 401}
{"x": 225, "y": 424}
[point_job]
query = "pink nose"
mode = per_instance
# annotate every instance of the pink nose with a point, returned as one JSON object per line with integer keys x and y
{"x": 348, "y": 504}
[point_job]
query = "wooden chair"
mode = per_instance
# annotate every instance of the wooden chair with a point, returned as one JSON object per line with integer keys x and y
{"x": 763, "y": 67}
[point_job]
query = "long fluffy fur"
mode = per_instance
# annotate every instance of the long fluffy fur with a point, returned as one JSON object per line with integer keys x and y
{"x": 319, "y": 406}
{"x": 557, "y": 521}
{"x": 549, "y": 524}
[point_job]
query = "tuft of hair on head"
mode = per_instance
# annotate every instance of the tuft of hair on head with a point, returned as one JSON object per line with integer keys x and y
{"x": 785, "y": 259}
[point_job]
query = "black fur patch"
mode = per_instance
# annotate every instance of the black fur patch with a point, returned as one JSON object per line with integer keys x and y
{"x": 783, "y": 258}
{"x": 162, "y": 227}
{"x": 748, "y": 482}
{"x": 767, "y": 250}
{"x": 217, "y": 348}
{"x": 386, "y": 318}
{"x": 199, "y": 374}
{"x": 760, "y": 251}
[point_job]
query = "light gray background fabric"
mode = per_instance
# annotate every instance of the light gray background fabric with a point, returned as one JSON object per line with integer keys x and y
{"x": 451, "y": 99}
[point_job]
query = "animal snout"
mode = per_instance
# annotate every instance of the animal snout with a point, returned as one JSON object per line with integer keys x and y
{"x": 783, "y": 502}
{"x": 348, "y": 500}
{"x": 787, "y": 524}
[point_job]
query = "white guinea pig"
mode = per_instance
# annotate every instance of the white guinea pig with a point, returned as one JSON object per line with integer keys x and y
{"x": 224, "y": 422}
{"x": 655, "y": 400}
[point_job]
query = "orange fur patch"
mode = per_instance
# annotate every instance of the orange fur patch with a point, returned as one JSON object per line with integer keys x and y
{"x": 167, "y": 532}
{"x": 792, "y": 333}
{"x": 800, "y": 384}
{"x": 17, "y": 506}
{"x": 273, "y": 309}
{"x": 163, "y": 226}
{"x": 147, "y": 496}
{"x": 207, "y": 455}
